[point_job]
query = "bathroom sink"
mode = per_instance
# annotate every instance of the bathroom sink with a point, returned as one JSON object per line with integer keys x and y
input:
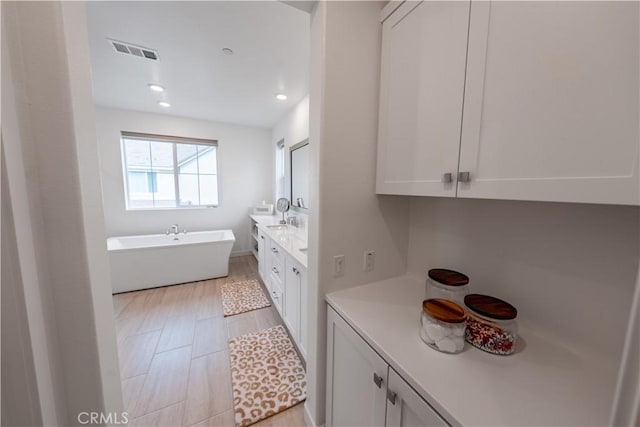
{"x": 277, "y": 227}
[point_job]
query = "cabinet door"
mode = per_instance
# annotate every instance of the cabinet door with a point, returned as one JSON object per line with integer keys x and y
{"x": 405, "y": 408}
{"x": 291, "y": 310}
{"x": 356, "y": 378}
{"x": 424, "y": 46}
{"x": 303, "y": 312}
{"x": 551, "y": 102}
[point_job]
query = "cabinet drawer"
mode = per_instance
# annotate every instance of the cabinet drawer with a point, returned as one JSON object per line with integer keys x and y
{"x": 277, "y": 253}
{"x": 277, "y": 270}
{"x": 276, "y": 292}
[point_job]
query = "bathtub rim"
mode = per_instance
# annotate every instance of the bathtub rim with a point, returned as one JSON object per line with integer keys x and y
{"x": 232, "y": 239}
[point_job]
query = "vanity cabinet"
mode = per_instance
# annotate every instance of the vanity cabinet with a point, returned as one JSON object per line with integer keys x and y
{"x": 539, "y": 106}
{"x": 286, "y": 281}
{"x": 363, "y": 390}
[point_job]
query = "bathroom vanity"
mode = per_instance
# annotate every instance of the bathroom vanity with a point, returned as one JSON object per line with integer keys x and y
{"x": 282, "y": 263}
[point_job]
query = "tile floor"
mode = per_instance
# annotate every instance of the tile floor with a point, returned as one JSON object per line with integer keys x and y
{"x": 173, "y": 349}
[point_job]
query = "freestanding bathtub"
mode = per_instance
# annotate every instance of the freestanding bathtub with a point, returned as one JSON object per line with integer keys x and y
{"x": 140, "y": 262}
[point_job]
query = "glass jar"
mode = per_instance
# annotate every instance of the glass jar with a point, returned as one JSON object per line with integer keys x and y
{"x": 442, "y": 325}
{"x": 491, "y": 324}
{"x": 446, "y": 284}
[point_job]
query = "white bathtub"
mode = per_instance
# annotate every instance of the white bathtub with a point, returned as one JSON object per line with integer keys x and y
{"x": 140, "y": 262}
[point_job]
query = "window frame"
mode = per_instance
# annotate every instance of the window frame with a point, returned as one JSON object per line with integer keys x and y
{"x": 174, "y": 140}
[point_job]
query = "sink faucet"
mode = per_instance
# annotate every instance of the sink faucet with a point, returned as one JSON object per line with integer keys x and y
{"x": 293, "y": 220}
{"x": 173, "y": 229}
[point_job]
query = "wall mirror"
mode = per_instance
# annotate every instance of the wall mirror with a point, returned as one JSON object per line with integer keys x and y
{"x": 299, "y": 155}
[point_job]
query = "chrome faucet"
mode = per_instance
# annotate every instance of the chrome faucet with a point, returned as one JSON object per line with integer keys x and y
{"x": 293, "y": 220}
{"x": 173, "y": 229}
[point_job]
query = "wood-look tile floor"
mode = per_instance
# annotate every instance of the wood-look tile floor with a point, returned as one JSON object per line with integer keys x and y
{"x": 174, "y": 356}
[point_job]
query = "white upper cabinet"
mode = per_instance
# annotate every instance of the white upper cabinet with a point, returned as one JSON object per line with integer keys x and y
{"x": 424, "y": 47}
{"x": 551, "y": 102}
{"x": 543, "y": 103}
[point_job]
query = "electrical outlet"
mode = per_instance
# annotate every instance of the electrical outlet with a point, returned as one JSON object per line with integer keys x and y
{"x": 338, "y": 265}
{"x": 369, "y": 260}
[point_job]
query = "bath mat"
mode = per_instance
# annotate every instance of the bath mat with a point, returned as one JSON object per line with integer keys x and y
{"x": 243, "y": 296}
{"x": 267, "y": 376}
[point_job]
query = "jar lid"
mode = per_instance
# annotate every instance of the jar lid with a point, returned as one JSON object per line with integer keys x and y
{"x": 490, "y": 307}
{"x": 448, "y": 277}
{"x": 444, "y": 310}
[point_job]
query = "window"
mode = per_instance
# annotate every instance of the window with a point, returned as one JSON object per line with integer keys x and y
{"x": 280, "y": 170}
{"x": 169, "y": 172}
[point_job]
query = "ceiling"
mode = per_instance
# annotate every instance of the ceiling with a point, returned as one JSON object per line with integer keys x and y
{"x": 270, "y": 41}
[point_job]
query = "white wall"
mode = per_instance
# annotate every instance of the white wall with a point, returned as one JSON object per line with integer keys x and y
{"x": 245, "y": 167}
{"x": 293, "y": 128}
{"x": 44, "y": 177}
{"x": 344, "y": 125}
{"x": 20, "y": 400}
{"x": 570, "y": 269}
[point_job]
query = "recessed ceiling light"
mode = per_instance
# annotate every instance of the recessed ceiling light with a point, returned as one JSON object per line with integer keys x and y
{"x": 156, "y": 88}
{"x": 281, "y": 96}
{"x": 164, "y": 104}
{"x": 227, "y": 51}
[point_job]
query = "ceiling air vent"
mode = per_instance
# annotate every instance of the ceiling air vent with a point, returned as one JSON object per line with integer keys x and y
{"x": 131, "y": 49}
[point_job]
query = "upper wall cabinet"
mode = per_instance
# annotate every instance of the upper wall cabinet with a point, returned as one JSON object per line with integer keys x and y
{"x": 424, "y": 48}
{"x": 550, "y": 109}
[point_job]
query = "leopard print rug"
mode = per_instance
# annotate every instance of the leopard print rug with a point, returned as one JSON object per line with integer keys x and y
{"x": 267, "y": 375}
{"x": 239, "y": 297}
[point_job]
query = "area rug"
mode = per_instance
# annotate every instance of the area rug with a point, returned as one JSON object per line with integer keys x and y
{"x": 240, "y": 297}
{"x": 267, "y": 375}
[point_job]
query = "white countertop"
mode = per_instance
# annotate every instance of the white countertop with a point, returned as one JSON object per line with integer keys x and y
{"x": 542, "y": 383}
{"x": 291, "y": 240}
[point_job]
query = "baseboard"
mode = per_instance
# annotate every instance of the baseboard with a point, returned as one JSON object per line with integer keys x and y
{"x": 308, "y": 419}
{"x": 240, "y": 253}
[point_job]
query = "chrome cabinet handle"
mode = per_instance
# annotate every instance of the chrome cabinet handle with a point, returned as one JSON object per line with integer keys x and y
{"x": 464, "y": 176}
{"x": 275, "y": 270}
{"x": 377, "y": 379}
{"x": 295, "y": 270}
{"x": 262, "y": 237}
{"x": 391, "y": 397}
{"x": 447, "y": 177}
{"x": 274, "y": 250}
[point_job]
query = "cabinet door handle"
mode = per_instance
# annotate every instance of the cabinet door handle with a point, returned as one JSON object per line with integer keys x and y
{"x": 262, "y": 237}
{"x": 275, "y": 270}
{"x": 295, "y": 270}
{"x": 464, "y": 176}
{"x": 447, "y": 177}
{"x": 391, "y": 397}
{"x": 377, "y": 379}
{"x": 274, "y": 250}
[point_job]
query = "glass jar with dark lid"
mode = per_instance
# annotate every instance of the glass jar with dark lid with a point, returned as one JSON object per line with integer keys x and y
{"x": 442, "y": 325}
{"x": 491, "y": 324}
{"x": 447, "y": 284}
